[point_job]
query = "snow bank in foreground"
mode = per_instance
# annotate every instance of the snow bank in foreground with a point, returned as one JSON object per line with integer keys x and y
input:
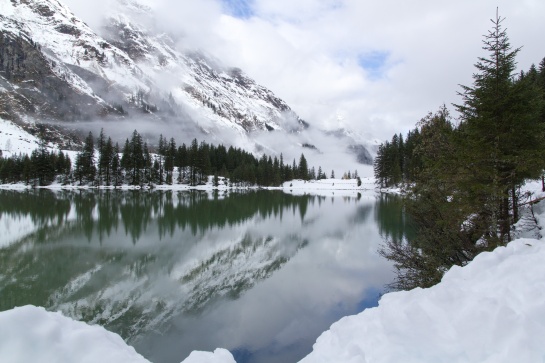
{"x": 219, "y": 356}
{"x": 31, "y": 334}
{"x": 492, "y": 310}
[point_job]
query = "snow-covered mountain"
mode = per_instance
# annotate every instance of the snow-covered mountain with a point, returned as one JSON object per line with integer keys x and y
{"x": 54, "y": 67}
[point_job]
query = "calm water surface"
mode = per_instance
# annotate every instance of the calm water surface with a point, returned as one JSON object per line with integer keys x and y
{"x": 260, "y": 273}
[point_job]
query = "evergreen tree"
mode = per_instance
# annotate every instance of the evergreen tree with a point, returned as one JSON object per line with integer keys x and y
{"x": 503, "y": 135}
{"x": 101, "y": 142}
{"x": 106, "y": 151}
{"x": 85, "y": 169}
{"x": 182, "y": 161}
{"x": 43, "y": 165}
{"x": 132, "y": 160}
{"x": 170, "y": 160}
{"x": 147, "y": 166}
{"x": 116, "y": 171}
{"x": 203, "y": 161}
{"x": 193, "y": 156}
{"x": 303, "y": 168}
{"x": 162, "y": 150}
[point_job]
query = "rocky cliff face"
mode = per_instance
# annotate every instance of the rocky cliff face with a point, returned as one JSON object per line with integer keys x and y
{"x": 52, "y": 65}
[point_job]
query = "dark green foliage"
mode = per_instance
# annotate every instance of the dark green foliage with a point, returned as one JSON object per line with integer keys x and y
{"x": 43, "y": 165}
{"x": 138, "y": 167}
{"x": 85, "y": 169}
{"x": 502, "y": 132}
{"x": 132, "y": 160}
{"x": 462, "y": 180}
{"x": 396, "y": 162}
{"x": 40, "y": 169}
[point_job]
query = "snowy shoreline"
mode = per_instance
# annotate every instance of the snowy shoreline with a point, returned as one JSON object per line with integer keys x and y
{"x": 323, "y": 187}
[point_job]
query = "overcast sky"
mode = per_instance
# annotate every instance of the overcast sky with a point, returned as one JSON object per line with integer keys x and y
{"x": 373, "y": 66}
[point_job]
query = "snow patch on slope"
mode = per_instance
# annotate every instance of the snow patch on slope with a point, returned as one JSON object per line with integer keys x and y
{"x": 14, "y": 140}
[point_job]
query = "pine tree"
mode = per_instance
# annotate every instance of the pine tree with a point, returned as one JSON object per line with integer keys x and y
{"x": 43, "y": 164}
{"x": 116, "y": 172}
{"x": 85, "y": 169}
{"x": 193, "y": 156}
{"x": 182, "y": 161}
{"x": 170, "y": 160}
{"x": 161, "y": 162}
{"x": 101, "y": 142}
{"x": 303, "y": 168}
{"x": 503, "y": 133}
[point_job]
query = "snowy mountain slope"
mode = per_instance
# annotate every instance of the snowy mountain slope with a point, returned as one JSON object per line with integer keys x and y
{"x": 14, "y": 140}
{"x": 131, "y": 74}
{"x": 223, "y": 94}
{"x": 54, "y": 56}
{"x": 42, "y": 39}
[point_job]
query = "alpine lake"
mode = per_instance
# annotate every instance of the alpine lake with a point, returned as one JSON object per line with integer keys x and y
{"x": 260, "y": 273}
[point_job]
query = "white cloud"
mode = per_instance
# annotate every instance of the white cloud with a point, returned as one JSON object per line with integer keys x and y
{"x": 310, "y": 52}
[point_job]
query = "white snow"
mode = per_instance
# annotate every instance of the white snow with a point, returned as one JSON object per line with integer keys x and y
{"x": 14, "y": 140}
{"x": 328, "y": 187}
{"x": 219, "y": 356}
{"x": 31, "y": 334}
{"x": 492, "y": 310}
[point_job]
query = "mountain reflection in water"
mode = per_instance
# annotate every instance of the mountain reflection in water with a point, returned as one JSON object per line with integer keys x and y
{"x": 260, "y": 273}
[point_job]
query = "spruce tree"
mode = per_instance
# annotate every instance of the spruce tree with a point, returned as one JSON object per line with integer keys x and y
{"x": 503, "y": 135}
{"x": 116, "y": 170}
{"x": 85, "y": 169}
{"x": 101, "y": 142}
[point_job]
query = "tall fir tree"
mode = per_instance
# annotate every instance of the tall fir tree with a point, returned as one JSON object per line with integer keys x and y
{"x": 503, "y": 135}
{"x": 85, "y": 169}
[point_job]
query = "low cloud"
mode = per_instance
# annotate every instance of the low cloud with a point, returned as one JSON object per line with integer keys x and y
{"x": 376, "y": 67}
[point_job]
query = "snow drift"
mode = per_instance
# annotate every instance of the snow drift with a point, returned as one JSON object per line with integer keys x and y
{"x": 492, "y": 310}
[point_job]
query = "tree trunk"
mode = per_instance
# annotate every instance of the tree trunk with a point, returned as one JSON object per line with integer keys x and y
{"x": 515, "y": 205}
{"x": 506, "y": 219}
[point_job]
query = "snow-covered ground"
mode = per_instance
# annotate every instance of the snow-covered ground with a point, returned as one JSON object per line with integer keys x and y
{"x": 492, "y": 310}
{"x": 328, "y": 187}
{"x": 14, "y": 140}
